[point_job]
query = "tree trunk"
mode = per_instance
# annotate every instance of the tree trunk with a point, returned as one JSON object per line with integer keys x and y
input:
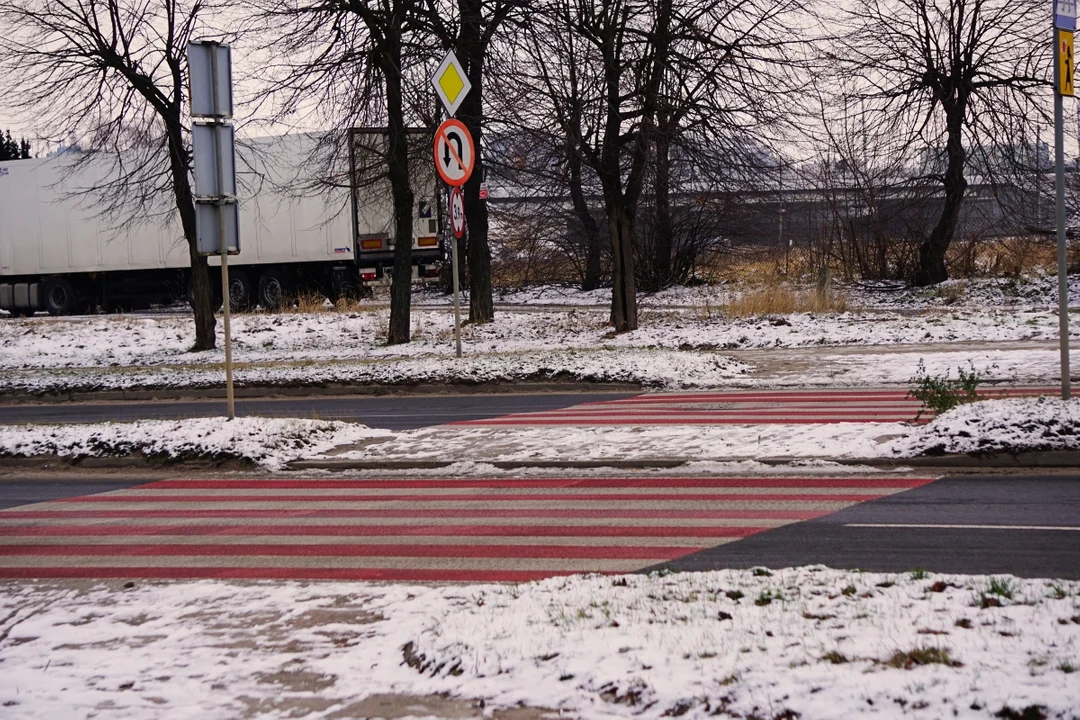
{"x": 202, "y": 300}
{"x": 398, "y": 163}
{"x": 623, "y": 291}
{"x": 661, "y": 260}
{"x": 591, "y": 278}
{"x": 932, "y": 251}
{"x": 471, "y": 47}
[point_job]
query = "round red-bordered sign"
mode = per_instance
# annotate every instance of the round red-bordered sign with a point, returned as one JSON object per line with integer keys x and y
{"x": 457, "y": 212}
{"x": 455, "y": 154}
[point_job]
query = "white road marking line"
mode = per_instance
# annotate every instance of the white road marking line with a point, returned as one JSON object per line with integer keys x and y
{"x": 963, "y": 527}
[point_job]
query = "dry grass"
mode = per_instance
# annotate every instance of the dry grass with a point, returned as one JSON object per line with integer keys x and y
{"x": 319, "y": 303}
{"x": 922, "y": 656}
{"x": 776, "y": 299}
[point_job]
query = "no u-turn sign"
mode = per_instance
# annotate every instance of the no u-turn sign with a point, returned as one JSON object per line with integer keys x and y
{"x": 454, "y": 153}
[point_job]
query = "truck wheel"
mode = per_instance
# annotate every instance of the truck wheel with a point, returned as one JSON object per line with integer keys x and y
{"x": 240, "y": 294}
{"x": 272, "y": 288}
{"x": 59, "y": 296}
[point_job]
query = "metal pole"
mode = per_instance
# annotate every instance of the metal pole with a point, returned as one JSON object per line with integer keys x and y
{"x": 223, "y": 239}
{"x": 454, "y": 265}
{"x": 1063, "y": 273}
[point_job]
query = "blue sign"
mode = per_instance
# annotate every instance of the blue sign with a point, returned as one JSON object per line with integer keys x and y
{"x": 1065, "y": 14}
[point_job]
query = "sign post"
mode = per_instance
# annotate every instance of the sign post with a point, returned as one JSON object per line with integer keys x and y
{"x": 1064, "y": 74}
{"x": 455, "y": 156}
{"x": 457, "y": 226}
{"x": 214, "y": 159}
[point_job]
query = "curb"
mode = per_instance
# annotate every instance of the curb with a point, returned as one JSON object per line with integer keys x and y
{"x": 1036, "y": 460}
{"x": 269, "y": 392}
{"x": 1049, "y": 459}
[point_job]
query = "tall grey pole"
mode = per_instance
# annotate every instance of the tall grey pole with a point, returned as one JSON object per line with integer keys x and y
{"x": 223, "y": 239}
{"x": 454, "y": 263}
{"x": 1059, "y": 172}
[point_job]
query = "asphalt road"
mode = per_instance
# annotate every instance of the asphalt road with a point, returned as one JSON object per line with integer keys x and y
{"x": 1024, "y": 525}
{"x": 24, "y": 489}
{"x": 391, "y": 412}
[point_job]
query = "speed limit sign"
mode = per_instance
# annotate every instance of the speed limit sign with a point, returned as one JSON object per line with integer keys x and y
{"x": 457, "y": 212}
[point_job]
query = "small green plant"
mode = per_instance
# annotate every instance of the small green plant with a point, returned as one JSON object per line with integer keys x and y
{"x": 761, "y": 572}
{"x": 941, "y": 393}
{"x": 735, "y": 595}
{"x": 919, "y": 574}
{"x": 1067, "y": 667}
{"x": 848, "y": 591}
{"x": 766, "y": 597}
{"x": 1057, "y": 592}
{"x": 1001, "y": 587}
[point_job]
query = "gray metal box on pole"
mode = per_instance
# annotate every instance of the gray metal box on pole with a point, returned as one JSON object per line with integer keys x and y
{"x": 210, "y": 221}
{"x": 205, "y": 60}
{"x": 211, "y": 144}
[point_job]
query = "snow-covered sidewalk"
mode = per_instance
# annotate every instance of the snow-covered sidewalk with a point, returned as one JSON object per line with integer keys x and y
{"x": 695, "y": 347}
{"x": 798, "y": 643}
{"x": 996, "y": 426}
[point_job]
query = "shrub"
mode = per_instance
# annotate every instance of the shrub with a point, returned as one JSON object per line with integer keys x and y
{"x": 940, "y": 393}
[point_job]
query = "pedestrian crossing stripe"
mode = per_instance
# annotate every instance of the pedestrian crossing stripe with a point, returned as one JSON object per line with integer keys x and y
{"x": 745, "y": 407}
{"x": 420, "y": 530}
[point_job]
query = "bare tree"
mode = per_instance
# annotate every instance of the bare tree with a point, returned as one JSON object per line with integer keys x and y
{"x": 724, "y": 96}
{"x": 113, "y": 74}
{"x": 948, "y": 75}
{"x": 346, "y": 63}
{"x": 597, "y": 70}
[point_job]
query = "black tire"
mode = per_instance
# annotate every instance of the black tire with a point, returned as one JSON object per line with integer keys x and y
{"x": 59, "y": 296}
{"x": 240, "y": 290}
{"x": 272, "y": 288}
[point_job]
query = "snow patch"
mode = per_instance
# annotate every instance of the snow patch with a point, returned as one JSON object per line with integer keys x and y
{"x": 269, "y": 442}
{"x": 806, "y": 642}
{"x": 997, "y": 426}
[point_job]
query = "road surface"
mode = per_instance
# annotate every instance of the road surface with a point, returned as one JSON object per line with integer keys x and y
{"x": 391, "y": 412}
{"x": 469, "y": 529}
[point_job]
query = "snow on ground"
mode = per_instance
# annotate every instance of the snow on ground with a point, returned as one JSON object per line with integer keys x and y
{"x": 127, "y": 341}
{"x": 805, "y": 642}
{"x": 649, "y": 368}
{"x": 684, "y": 341}
{"x": 672, "y": 349}
{"x": 1004, "y": 426}
{"x": 867, "y": 368}
{"x": 1036, "y": 291}
{"x": 689, "y": 442}
{"x": 1012, "y": 425}
{"x": 269, "y": 442}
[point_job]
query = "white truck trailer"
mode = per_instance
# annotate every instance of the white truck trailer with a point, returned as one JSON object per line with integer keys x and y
{"x": 58, "y": 255}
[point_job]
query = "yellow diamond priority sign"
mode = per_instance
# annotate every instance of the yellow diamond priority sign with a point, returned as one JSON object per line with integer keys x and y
{"x": 451, "y": 83}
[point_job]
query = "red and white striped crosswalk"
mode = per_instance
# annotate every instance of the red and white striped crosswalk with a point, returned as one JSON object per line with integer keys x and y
{"x": 750, "y": 407}
{"x": 408, "y": 530}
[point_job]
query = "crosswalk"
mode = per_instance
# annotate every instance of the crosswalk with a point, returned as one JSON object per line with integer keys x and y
{"x": 747, "y": 407}
{"x": 408, "y": 530}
